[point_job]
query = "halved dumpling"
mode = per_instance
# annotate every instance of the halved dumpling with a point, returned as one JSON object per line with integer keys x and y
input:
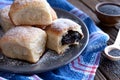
{"x": 62, "y": 33}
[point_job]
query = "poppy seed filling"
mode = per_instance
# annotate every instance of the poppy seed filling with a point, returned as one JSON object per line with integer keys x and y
{"x": 71, "y": 37}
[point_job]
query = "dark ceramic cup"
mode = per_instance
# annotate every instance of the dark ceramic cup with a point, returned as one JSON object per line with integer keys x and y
{"x": 110, "y": 16}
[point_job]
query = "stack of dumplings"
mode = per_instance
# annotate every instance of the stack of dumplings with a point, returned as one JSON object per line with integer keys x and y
{"x": 32, "y": 25}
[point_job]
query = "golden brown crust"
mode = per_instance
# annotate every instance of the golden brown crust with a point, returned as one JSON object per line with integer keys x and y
{"x": 19, "y": 43}
{"x": 57, "y": 30}
{"x": 68, "y": 25}
{"x": 5, "y": 21}
{"x": 54, "y": 17}
{"x": 53, "y": 13}
{"x": 30, "y": 12}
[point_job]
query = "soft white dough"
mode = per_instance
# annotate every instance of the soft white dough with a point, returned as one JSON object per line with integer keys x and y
{"x": 57, "y": 30}
{"x": 5, "y": 21}
{"x": 24, "y": 43}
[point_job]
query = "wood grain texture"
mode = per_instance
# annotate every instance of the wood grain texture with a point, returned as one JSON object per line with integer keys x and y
{"x": 90, "y": 4}
{"x": 85, "y": 9}
{"x": 99, "y": 76}
{"x": 109, "y": 1}
{"x": 110, "y": 69}
{"x": 107, "y": 70}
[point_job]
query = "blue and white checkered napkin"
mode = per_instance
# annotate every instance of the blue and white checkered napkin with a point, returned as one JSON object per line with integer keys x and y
{"x": 82, "y": 68}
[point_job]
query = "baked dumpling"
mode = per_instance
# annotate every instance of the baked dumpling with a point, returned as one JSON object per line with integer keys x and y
{"x": 53, "y": 14}
{"x": 30, "y": 12}
{"x": 24, "y": 43}
{"x": 54, "y": 17}
{"x": 62, "y": 33}
{"x": 5, "y": 21}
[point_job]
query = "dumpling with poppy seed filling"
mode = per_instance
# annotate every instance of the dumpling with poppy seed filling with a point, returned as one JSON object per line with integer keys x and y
{"x": 62, "y": 33}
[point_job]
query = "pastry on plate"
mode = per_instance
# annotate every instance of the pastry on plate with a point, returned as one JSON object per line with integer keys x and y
{"x": 24, "y": 43}
{"x": 53, "y": 14}
{"x": 54, "y": 17}
{"x": 30, "y": 12}
{"x": 62, "y": 33}
{"x": 5, "y": 21}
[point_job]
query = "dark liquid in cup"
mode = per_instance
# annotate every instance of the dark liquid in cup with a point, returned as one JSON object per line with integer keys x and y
{"x": 115, "y": 52}
{"x": 110, "y": 9}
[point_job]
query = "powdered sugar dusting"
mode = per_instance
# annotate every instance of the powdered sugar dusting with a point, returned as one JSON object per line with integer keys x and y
{"x": 23, "y": 32}
{"x": 4, "y": 12}
{"x": 50, "y": 55}
{"x": 61, "y": 24}
{"x": 21, "y": 2}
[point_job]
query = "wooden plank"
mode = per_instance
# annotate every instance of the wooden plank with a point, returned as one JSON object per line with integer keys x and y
{"x": 85, "y": 9}
{"x": 110, "y": 69}
{"x": 112, "y": 32}
{"x": 109, "y": 1}
{"x": 90, "y": 3}
{"x": 99, "y": 76}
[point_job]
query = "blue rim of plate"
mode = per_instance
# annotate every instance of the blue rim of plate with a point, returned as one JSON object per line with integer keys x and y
{"x": 50, "y": 60}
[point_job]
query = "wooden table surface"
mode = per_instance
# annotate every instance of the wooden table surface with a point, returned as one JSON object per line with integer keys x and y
{"x": 107, "y": 70}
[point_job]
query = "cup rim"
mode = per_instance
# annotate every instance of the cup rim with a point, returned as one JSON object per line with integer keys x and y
{"x": 104, "y": 3}
{"x": 109, "y": 56}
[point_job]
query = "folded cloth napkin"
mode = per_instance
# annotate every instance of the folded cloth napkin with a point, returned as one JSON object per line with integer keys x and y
{"x": 82, "y": 68}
